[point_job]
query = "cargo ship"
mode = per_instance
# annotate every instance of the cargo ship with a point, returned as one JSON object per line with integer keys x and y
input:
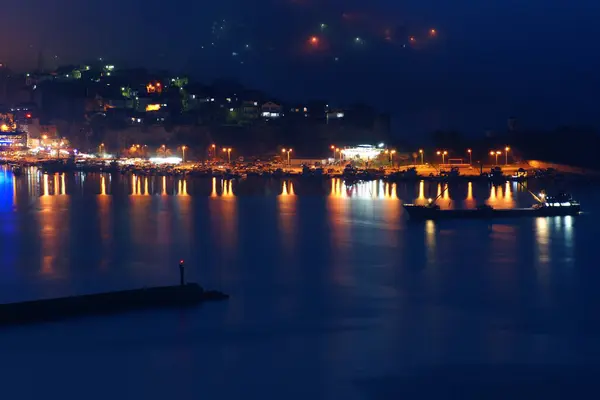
{"x": 548, "y": 206}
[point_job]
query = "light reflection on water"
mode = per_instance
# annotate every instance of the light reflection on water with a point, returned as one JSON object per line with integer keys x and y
{"x": 166, "y": 210}
{"x": 314, "y": 263}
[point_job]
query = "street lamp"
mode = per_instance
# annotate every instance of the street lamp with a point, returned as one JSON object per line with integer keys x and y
{"x": 183, "y": 148}
{"x": 443, "y": 154}
{"x": 164, "y": 150}
{"x": 288, "y": 151}
{"x": 496, "y": 154}
{"x": 470, "y": 156}
{"x": 228, "y": 151}
{"x": 101, "y": 147}
{"x": 421, "y": 153}
{"x": 506, "y": 150}
{"x": 391, "y": 154}
{"x": 332, "y": 147}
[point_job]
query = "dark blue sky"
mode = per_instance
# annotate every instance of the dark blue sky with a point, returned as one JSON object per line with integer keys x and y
{"x": 536, "y": 60}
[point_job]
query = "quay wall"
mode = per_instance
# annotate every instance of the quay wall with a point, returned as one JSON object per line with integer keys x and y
{"x": 562, "y": 168}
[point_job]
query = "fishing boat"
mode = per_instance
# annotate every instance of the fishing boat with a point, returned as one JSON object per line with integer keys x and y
{"x": 547, "y": 206}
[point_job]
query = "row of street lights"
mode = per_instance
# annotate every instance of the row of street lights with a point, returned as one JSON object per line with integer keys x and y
{"x": 227, "y": 150}
{"x": 137, "y": 147}
{"x": 444, "y": 153}
{"x": 498, "y": 152}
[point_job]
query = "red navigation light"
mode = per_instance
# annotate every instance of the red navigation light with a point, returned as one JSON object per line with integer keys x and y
{"x": 28, "y": 115}
{"x": 180, "y": 262}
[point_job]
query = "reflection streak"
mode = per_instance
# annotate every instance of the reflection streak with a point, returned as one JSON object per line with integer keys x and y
{"x": 102, "y": 186}
{"x": 213, "y": 193}
{"x": 421, "y": 191}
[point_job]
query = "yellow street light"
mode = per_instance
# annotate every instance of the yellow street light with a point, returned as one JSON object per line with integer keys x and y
{"x": 183, "y": 148}
{"x": 288, "y": 151}
{"x": 443, "y": 153}
{"x": 506, "y": 149}
{"x": 470, "y": 156}
{"x": 392, "y": 152}
{"x": 421, "y": 153}
{"x": 496, "y": 154}
{"x": 228, "y": 151}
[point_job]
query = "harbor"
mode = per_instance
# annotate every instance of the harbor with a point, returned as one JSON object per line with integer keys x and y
{"x": 276, "y": 170}
{"x": 313, "y": 268}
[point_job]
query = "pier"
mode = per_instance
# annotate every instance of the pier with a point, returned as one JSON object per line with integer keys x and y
{"x": 180, "y": 296}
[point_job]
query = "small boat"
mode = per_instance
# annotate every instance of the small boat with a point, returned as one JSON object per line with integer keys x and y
{"x": 561, "y": 205}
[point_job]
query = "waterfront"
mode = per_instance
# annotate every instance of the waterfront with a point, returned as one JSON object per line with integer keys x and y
{"x": 333, "y": 292}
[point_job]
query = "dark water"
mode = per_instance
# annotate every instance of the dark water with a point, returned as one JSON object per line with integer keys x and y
{"x": 333, "y": 293}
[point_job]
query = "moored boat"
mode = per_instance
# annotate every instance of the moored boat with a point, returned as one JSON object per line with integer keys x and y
{"x": 561, "y": 205}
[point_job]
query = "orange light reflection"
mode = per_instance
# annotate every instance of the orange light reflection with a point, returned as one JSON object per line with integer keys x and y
{"x": 102, "y": 186}
{"x": 182, "y": 186}
{"x": 421, "y": 191}
{"x": 213, "y": 193}
{"x": 45, "y": 190}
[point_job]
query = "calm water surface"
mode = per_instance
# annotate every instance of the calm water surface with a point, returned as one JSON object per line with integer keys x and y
{"x": 333, "y": 293}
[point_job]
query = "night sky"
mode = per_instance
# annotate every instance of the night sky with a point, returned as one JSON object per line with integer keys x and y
{"x": 535, "y": 60}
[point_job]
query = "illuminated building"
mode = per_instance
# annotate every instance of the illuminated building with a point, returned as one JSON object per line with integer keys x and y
{"x": 363, "y": 152}
{"x": 9, "y": 135}
{"x": 271, "y": 110}
{"x": 154, "y": 87}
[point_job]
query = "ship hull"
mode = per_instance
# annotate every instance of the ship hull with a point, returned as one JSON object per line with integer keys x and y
{"x": 420, "y": 213}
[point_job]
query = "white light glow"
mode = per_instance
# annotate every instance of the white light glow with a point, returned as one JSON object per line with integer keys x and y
{"x": 364, "y": 152}
{"x": 165, "y": 160}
